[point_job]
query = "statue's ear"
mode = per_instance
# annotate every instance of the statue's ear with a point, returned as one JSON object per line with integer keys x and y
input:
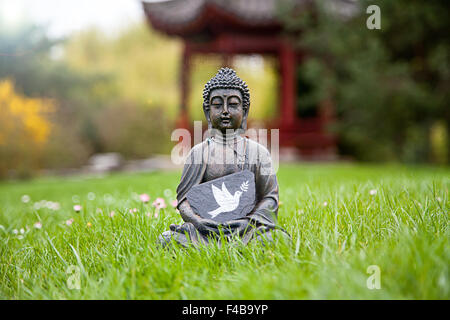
{"x": 244, "y": 120}
{"x": 206, "y": 112}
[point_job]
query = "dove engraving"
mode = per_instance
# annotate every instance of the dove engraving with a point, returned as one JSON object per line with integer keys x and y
{"x": 225, "y": 200}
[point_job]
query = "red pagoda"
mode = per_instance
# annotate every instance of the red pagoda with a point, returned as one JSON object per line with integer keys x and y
{"x": 230, "y": 27}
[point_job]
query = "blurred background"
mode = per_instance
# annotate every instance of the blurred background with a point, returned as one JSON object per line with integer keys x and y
{"x": 100, "y": 85}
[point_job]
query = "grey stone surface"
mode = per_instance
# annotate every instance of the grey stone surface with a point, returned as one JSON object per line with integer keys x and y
{"x": 227, "y": 198}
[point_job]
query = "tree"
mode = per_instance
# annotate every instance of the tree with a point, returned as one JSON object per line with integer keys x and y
{"x": 24, "y": 129}
{"x": 390, "y": 86}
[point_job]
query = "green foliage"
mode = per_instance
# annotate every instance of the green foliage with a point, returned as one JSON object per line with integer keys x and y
{"x": 132, "y": 131}
{"x": 142, "y": 63}
{"x": 339, "y": 226}
{"x": 390, "y": 86}
{"x": 26, "y": 57}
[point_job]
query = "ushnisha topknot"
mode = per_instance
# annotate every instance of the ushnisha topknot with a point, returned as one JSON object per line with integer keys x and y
{"x": 226, "y": 78}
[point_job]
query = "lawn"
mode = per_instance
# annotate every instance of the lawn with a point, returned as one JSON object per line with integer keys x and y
{"x": 343, "y": 219}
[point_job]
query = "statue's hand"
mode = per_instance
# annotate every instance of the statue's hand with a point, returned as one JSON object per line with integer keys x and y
{"x": 202, "y": 225}
{"x": 206, "y": 226}
{"x": 239, "y": 226}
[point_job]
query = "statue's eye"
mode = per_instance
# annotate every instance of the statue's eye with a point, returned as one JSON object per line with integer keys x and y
{"x": 233, "y": 102}
{"x": 216, "y": 102}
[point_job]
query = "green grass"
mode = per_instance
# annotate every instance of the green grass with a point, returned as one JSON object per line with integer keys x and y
{"x": 403, "y": 229}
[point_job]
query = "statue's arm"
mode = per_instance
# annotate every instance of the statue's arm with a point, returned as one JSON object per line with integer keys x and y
{"x": 266, "y": 208}
{"x": 201, "y": 224}
{"x": 187, "y": 214}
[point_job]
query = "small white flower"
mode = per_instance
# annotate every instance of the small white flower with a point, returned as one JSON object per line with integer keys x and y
{"x": 56, "y": 206}
{"x": 108, "y": 198}
{"x": 15, "y": 231}
{"x": 325, "y": 203}
{"x": 38, "y": 225}
{"x": 373, "y": 192}
{"x": 134, "y": 196}
{"x": 69, "y": 222}
{"x": 168, "y": 193}
{"x": 439, "y": 199}
{"x": 50, "y": 204}
{"x": 25, "y": 198}
{"x": 111, "y": 214}
{"x": 22, "y": 230}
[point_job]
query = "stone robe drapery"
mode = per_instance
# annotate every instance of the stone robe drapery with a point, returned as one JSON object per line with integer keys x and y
{"x": 203, "y": 163}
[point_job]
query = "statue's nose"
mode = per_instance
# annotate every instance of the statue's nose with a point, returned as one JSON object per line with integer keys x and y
{"x": 225, "y": 108}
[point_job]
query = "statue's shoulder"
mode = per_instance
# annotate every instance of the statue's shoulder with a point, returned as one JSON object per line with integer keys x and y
{"x": 256, "y": 146}
{"x": 195, "y": 155}
{"x": 199, "y": 146}
{"x": 257, "y": 152}
{"x": 260, "y": 155}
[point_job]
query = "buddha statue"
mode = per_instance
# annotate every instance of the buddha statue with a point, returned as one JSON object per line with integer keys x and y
{"x": 226, "y": 103}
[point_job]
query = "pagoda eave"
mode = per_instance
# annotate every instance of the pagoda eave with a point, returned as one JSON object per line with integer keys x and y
{"x": 208, "y": 20}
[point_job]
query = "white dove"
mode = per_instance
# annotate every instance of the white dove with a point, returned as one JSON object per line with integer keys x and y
{"x": 225, "y": 200}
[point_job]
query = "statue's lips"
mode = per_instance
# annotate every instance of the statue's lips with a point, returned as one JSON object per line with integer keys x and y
{"x": 225, "y": 120}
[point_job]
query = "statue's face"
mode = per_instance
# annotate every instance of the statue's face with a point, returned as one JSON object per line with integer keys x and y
{"x": 226, "y": 111}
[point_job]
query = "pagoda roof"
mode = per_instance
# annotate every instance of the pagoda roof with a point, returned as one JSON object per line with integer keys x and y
{"x": 195, "y": 17}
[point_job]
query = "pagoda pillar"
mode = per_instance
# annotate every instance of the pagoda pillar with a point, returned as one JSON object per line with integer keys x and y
{"x": 288, "y": 95}
{"x": 185, "y": 69}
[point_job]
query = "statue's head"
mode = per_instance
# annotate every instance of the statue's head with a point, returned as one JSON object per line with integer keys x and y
{"x": 226, "y": 101}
